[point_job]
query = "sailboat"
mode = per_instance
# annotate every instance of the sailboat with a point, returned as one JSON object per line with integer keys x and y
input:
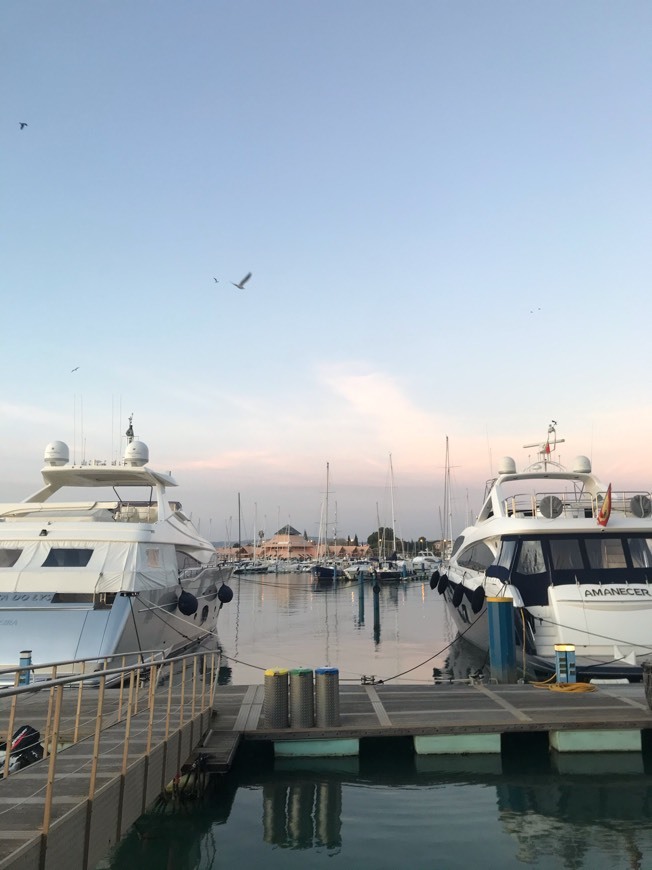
{"x": 324, "y": 568}
{"x": 391, "y": 567}
{"x": 446, "y": 520}
{"x": 253, "y": 565}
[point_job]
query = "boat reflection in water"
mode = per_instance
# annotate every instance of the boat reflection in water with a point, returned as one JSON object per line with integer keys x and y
{"x": 532, "y": 807}
{"x": 463, "y": 662}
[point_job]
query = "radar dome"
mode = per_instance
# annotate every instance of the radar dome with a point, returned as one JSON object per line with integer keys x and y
{"x": 57, "y": 453}
{"x": 582, "y": 465}
{"x": 507, "y": 465}
{"x": 136, "y": 453}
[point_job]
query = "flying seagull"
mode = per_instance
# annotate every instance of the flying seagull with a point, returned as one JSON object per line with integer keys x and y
{"x": 22, "y": 124}
{"x": 216, "y": 281}
{"x": 240, "y": 286}
{"x": 74, "y": 370}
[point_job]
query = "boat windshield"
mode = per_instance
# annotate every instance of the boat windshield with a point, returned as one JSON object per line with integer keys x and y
{"x": 537, "y": 562}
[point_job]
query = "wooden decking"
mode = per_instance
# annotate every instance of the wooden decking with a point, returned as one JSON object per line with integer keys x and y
{"x": 380, "y": 710}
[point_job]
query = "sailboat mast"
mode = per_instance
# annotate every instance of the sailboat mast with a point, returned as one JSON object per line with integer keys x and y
{"x": 326, "y": 509}
{"x": 255, "y": 529}
{"x": 381, "y": 537}
{"x": 391, "y": 496}
{"x": 239, "y": 529}
{"x": 448, "y": 519}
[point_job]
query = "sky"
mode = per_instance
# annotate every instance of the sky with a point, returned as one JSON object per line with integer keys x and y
{"x": 445, "y": 207}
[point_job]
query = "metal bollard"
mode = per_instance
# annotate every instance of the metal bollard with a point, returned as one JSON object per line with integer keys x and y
{"x": 327, "y": 697}
{"x": 302, "y": 704}
{"x": 25, "y": 661}
{"x": 502, "y": 645}
{"x": 565, "y": 662}
{"x": 276, "y": 698}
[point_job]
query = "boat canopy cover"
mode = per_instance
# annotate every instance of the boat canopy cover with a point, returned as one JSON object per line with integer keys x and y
{"x": 112, "y": 567}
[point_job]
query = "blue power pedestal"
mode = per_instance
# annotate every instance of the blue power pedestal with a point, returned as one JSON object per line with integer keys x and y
{"x": 565, "y": 662}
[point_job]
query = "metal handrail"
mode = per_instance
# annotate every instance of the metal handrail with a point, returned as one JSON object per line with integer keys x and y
{"x": 193, "y": 691}
{"x": 9, "y": 669}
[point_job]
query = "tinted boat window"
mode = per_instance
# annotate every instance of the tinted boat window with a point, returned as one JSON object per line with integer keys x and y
{"x": 62, "y": 557}
{"x": 458, "y": 543}
{"x": 185, "y": 561}
{"x": 478, "y": 557}
{"x": 506, "y": 555}
{"x": 605, "y": 553}
{"x": 566, "y": 555}
{"x": 641, "y": 552}
{"x": 9, "y": 557}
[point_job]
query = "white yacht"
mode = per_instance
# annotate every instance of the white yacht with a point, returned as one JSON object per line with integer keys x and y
{"x": 425, "y": 562}
{"x": 573, "y": 555}
{"x": 94, "y": 578}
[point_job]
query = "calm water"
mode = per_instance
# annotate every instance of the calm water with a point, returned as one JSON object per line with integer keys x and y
{"x": 387, "y": 807}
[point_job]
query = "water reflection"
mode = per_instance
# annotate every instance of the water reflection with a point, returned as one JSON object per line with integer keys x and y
{"x": 465, "y": 660}
{"x": 291, "y": 620}
{"x": 303, "y": 814}
{"x": 539, "y": 816}
{"x": 597, "y": 802}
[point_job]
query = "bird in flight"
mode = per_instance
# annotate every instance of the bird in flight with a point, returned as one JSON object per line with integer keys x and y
{"x": 216, "y": 281}
{"x": 240, "y": 286}
{"x": 74, "y": 370}
{"x": 22, "y": 124}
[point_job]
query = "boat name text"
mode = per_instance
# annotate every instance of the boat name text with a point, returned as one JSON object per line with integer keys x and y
{"x": 616, "y": 590}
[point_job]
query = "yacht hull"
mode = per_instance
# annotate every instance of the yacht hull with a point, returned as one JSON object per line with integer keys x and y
{"x": 610, "y": 660}
{"x": 149, "y": 620}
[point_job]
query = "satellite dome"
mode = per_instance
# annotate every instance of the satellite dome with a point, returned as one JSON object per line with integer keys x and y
{"x": 506, "y": 465}
{"x": 57, "y": 453}
{"x": 136, "y": 453}
{"x": 582, "y": 465}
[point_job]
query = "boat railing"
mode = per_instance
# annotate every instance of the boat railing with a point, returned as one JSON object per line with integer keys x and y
{"x": 136, "y": 513}
{"x": 552, "y": 505}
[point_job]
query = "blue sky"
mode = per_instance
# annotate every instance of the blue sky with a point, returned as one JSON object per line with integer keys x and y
{"x": 445, "y": 207}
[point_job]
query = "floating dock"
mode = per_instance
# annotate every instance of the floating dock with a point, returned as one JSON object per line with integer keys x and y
{"x": 440, "y": 719}
{"x": 138, "y": 755}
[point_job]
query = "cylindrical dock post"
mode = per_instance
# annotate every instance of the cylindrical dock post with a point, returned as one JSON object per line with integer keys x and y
{"x": 25, "y": 661}
{"x": 327, "y": 697}
{"x": 565, "y": 662}
{"x": 647, "y": 681}
{"x": 376, "y": 590}
{"x": 276, "y": 698}
{"x": 502, "y": 645}
{"x": 302, "y": 703}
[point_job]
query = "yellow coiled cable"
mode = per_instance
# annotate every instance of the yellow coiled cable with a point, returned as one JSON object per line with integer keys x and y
{"x": 564, "y": 687}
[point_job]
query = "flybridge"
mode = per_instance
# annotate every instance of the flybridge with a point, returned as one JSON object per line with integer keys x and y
{"x": 131, "y": 471}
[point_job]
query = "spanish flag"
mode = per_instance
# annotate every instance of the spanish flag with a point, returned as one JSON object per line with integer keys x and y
{"x": 605, "y": 511}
